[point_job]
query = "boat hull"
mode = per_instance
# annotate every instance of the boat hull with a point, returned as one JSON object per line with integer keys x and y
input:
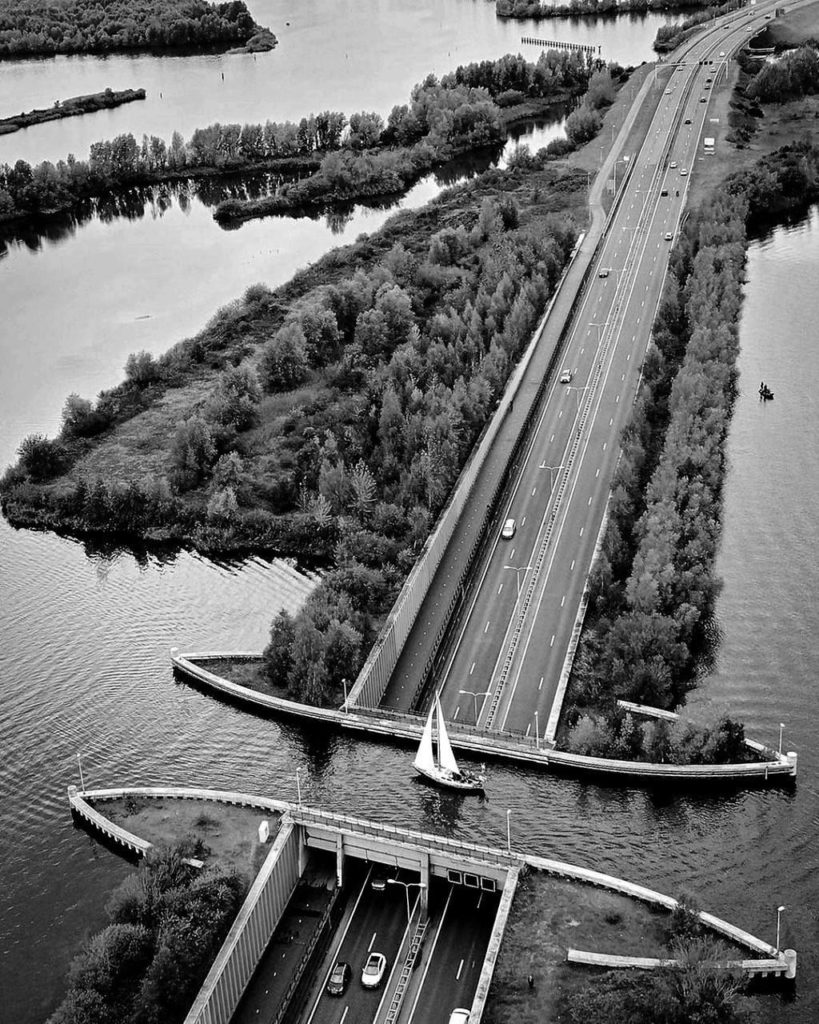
{"x": 464, "y": 784}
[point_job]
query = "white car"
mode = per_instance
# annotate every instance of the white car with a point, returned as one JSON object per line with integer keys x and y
{"x": 683, "y": 172}
{"x": 603, "y": 272}
{"x": 566, "y": 377}
{"x": 508, "y": 531}
{"x": 673, "y": 164}
{"x": 373, "y": 973}
{"x": 669, "y": 237}
{"x": 459, "y": 1017}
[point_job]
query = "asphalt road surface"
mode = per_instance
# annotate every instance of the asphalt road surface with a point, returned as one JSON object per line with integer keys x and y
{"x": 515, "y": 638}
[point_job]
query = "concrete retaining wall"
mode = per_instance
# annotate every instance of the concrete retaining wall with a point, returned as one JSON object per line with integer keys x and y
{"x": 122, "y": 836}
{"x": 248, "y": 938}
{"x": 493, "y": 948}
{"x": 507, "y": 748}
{"x": 784, "y": 966}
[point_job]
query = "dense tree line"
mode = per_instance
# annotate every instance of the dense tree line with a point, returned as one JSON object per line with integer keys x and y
{"x": 124, "y": 162}
{"x": 789, "y": 77}
{"x": 439, "y": 122}
{"x": 536, "y": 9}
{"x": 383, "y": 381}
{"x": 167, "y": 923}
{"x": 37, "y": 28}
{"x": 654, "y": 586}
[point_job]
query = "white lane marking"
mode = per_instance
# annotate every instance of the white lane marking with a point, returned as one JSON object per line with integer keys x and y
{"x": 500, "y": 588}
{"x": 489, "y": 620}
{"x": 533, "y": 491}
{"x": 622, "y": 376}
{"x": 582, "y": 528}
{"x": 551, "y": 438}
{"x": 512, "y": 553}
{"x": 540, "y": 684}
{"x": 562, "y": 600}
{"x": 460, "y": 968}
{"x": 629, "y": 355}
{"x": 616, "y": 400}
{"x": 560, "y": 414}
{"x": 597, "y": 474}
{"x": 582, "y": 350}
{"x": 551, "y": 644}
{"x": 456, "y": 712}
{"x": 372, "y": 942}
{"x": 605, "y": 445}
{"x": 611, "y": 421}
{"x": 528, "y": 727}
{"x": 472, "y": 669}
{"x": 523, "y": 521}
{"x": 571, "y": 567}
{"x": 589, "y": 501}
{"x": 344, "y": 1015}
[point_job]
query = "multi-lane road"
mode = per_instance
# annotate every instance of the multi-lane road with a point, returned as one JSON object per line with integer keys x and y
{"x": 515, "y": 637}
{"x": 446, "y": 976}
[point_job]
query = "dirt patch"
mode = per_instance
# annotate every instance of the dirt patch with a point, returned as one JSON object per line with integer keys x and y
{"x": 229, "y": 835}
{"x": 550, "y": 915}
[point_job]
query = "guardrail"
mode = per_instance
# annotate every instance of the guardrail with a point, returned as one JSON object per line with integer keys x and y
{"x": 414, "y": 948}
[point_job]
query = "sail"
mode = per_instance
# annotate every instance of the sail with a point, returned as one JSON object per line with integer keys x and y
{"x": 446, "y": 758}
{"x": 424, "y": 759}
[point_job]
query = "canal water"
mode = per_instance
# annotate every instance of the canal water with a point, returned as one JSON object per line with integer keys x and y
{"x": 86, "y": 629}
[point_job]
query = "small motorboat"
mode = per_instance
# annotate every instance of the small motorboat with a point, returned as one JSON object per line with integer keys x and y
{"x": 765, "y": 393}
{"x": 438, "y": 764}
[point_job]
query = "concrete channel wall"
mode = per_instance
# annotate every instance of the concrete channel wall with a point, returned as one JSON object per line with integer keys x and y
{"x": 248, "y": 938}
{"x": 487, "y": 744}
{"x": 279, "y": 875}
{"x": 784, "y": 966}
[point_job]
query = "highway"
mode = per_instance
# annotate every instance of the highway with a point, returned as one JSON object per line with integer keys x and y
{"x": 458, "y": 940}
{"x": 514, "y": 640}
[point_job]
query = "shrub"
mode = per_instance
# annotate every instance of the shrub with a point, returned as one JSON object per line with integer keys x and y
{"x": 582, "y": 125}
{"x": 284, "y": 359}
{"x": 141, "y": 369}
{"x": 40, "y": 458}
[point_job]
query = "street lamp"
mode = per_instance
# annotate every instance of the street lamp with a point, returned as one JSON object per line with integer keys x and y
{"x": 474, "y": 696}
{"x": 82, "y": 783}
{"x": 781, "y": 727}
{"x": 518, "y": 570}
{"x": 298, "y": 783}
{"x": 508, "y": 831}
{"x": 537, "y": 733}
{"x": 779, "y": 911}
{"x": 344, "y": 684}
{"x": 407, "y": 887}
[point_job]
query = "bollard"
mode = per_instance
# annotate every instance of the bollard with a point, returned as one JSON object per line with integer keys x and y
{"x": 792, "y": 757}
{"x": 789, "y": 956}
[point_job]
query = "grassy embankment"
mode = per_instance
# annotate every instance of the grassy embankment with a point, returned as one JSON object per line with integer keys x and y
{"x": 551, "y": 915}
{"x": 225, "y": 836}
{"x": 72, "y": 107}
{"x": 653, "y": 589}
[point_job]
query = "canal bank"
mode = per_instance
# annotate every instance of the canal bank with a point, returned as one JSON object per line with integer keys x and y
{"x": 427, "y": 857}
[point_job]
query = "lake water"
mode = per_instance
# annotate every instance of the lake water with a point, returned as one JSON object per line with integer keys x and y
{"x": 86, "y": 630}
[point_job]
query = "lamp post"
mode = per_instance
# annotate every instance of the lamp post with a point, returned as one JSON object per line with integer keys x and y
{"x": 781, "y": 728}
{"x": 518, "y": 569}
{"x": 474, "y": 695}
{"x": 298, "y": 783}
{"x": 779, "y": 911}
{"x": 537, "y": 733}
{"x": 508, "y": 830}
{"x": 344, "y": 684}
{"x": 82, "y": 783}
{"x": 407, "y": 887}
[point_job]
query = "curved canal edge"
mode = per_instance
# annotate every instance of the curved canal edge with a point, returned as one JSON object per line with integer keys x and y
{"x": 496, "y": 870}
{"x": 380, "y": 723}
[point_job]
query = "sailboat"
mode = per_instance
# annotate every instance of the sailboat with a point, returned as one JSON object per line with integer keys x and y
{"x": 440, "y": 766}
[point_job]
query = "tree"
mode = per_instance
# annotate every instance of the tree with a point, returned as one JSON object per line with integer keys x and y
{"x": 192, "y": 451}
{"x": 278, "y": 655}
{"x": 40, "y": 458}
{"x": 582, "y": 125}
{"x": 284, "y": 359}
{"x": 140, "y": 369}
{"x": 236, "y": 401}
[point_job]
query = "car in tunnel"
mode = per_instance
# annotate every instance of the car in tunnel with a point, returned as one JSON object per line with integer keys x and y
{"x": 339, "y": 979}
{"x": 373, "y": 972}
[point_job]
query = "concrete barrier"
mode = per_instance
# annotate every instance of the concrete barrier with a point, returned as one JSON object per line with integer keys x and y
{"x": 782, "y": 966}
{"x": 494, "y": 945}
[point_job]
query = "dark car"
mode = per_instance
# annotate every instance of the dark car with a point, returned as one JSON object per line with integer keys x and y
{"x": 688, "y": 120}
{"x": 339, "y": 979}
